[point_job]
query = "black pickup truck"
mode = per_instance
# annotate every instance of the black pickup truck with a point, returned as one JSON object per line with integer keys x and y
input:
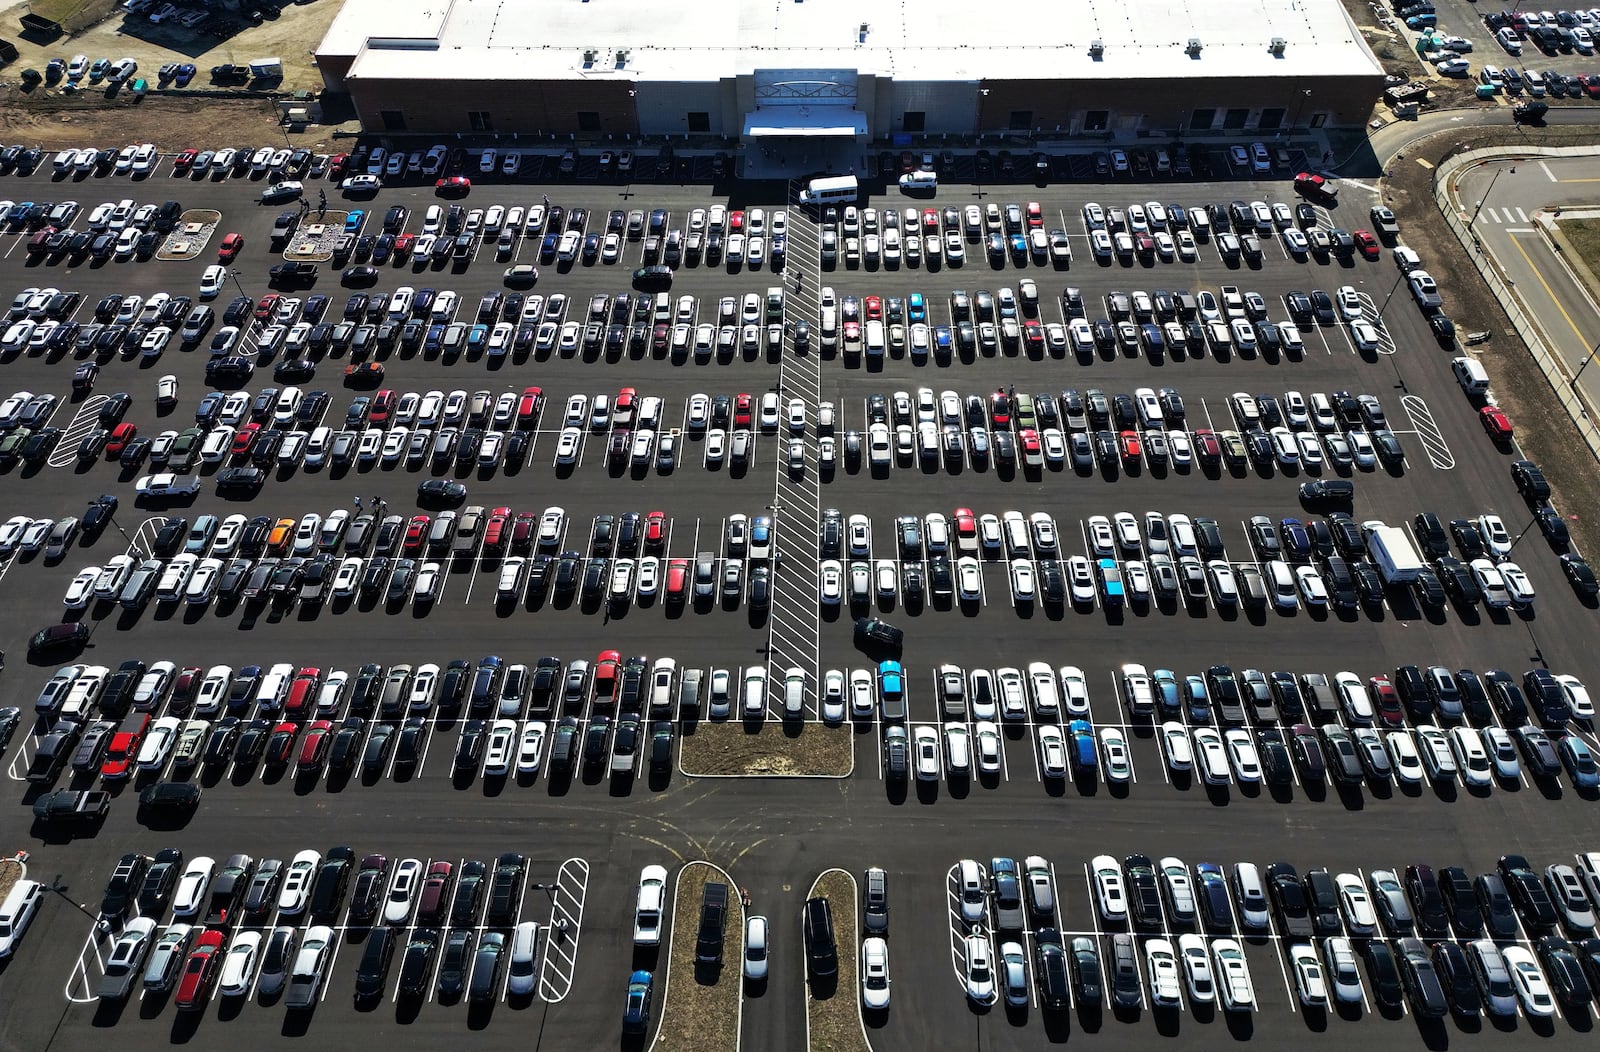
{"x": 77, "y": 807}
{"x": 293, "y": 274}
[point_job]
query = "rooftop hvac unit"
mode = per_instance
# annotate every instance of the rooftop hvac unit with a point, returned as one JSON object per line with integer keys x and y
{"x": 622, "y": 57}
{"x": 1097, "y": 48}
{"x": 1194, "y": 46}
{"x": 1277, "y": 45}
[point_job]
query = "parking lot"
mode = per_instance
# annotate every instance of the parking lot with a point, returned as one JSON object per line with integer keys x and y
{"x": 682, "y": 444}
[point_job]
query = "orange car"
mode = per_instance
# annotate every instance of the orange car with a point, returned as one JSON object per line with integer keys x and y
{"x": 282, "y": 535}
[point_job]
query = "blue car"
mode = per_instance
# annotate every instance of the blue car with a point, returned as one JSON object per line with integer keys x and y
{"x": 1579, "y": 758}
{"x": 916, "y": 307}
{"x": 1080, "y": 748}
{"x": 636, "y": 1014}
{"x": 353, "y": 221}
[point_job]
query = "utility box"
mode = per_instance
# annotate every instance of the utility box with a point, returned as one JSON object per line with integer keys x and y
{"x": 266, "y": 68}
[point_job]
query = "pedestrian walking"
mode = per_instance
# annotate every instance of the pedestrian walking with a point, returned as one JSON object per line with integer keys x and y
{"x": 358, "y": 505}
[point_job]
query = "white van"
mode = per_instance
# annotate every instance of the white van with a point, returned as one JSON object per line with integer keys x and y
{"x": 17, "y": 912}
{"x": 1470, "y": 375}
{"x": 875, "y": 339}
{"x": 919, "y": 182}
{"x": 1406, "y": 259}
{"x": 833, "y": 189}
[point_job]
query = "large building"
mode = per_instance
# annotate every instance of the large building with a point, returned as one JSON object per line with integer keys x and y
{"x": 862, "y": 70}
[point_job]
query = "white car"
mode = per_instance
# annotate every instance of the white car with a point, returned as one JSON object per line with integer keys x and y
{"x": 297, "y": 880}
{"x": 81, "y": 590}
{"x": 1233, "y": 976}
{"x": 1116, "y": 761}
{"x": 1403, "y": 757}
{"x": 158, "y": 743}
{"x": 1360, "y": 919}
{"x": 239, "y": 966}
{"x": 500, "y": 751}
{"x": 1196, "y": 968}
{"x": 649, "y": 906}
{"x": 189, "y": 898}
{"x": 1162, "y": 965}
{"x": 875, "y": 974}
{"x": 1341, "y": 970}
{"x": 530, "y": 747}
{"x": 1211, "y": 756}
{"x": 1532, "y": 989}
{"x": 1502, "y": 753}
{"x": 986, "y": 738}
{"x": 1110, "y": 895}
{"x": 925, "y": 752}
{"x": 979, "y": 969}
{"x": 1308, "y": 981}
{"x": 402, "y": 891}
{"x": 1052, "y": 752}
{"x": 212, "y": 280}
{"x": 1175, "y": 745}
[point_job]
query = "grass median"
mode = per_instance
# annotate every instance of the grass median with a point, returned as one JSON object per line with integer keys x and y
{"x": 1584, "y": 236}
{"x": 833, "y": 1013}
{"x": 700, "y": 1006}
{"x": 769, "y": 749}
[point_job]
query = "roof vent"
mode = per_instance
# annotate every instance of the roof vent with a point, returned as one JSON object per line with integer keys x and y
{"x": 1097, "y": 48}
{"x": 1277, "y": 45}
{"x": 1194, "y": 46}
{"x": 589, "y": 54}
{"x": 622, "y": 57}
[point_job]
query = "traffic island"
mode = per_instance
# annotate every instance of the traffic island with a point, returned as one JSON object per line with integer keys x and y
{"x": 700, "y": 1003}
{"x": 833, "y": 1003}
{"x": 767, "y": 750}
{"x": 11, "y": 871}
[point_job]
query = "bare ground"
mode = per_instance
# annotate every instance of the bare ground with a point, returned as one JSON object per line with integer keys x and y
{"x": 171, "y": 122}
{"x": 770, "y": 749}
{"x": 10, "y": 873}
{"x": 699, "y": 1010}
{"x": 1546, "y": 437}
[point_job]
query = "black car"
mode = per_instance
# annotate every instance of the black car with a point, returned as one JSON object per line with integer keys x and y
{"x": 1289, "y": 900}
{"x": 417, "y": 966}
{"x": 441, "y": 493}
{"x": 1528, "y": 893}
{"x": 1566, "y": 975}
{"x": 160, "y": 880}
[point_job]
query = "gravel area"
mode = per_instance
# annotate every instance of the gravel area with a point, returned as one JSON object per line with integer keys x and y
{"x": 833, "y": 1014}
{"x": 771, "y": 750}
{"x": 700, "y": 1009}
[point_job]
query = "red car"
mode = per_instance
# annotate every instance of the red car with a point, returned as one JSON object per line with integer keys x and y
{"x": 930, "y": 219}
{"x": 1028, "y": 439}
{"x": 231, "y": 244}
{"x": 1495, "y": 422}
{"x": 416, "y": 534}
{"x": 184, "y": 160}
{"x": 303, "y": 692}
{"x": 1035, "y": 215}
{"x": 736, "y": 221}
{"x": 622, "y": 408}
{"x": 1206, "y": 444}
{"x": 314, "y": 750}
{"x": 382, "y": 406}
{"x": 966, "y": 529}
{"x": 404, "y": 244}
{"x": 244, "y": 438}
{"x": 1312, "y": 185}
{"x": 523, "y": 530}
{"x": 655, "y": 530}
{"x": 677, "y": 578}
{"x": 1590, "y": 82}
{"x": 496, "y": 534}
{"x": 458, "y": 185}
{"x": 1131, "y": 449}
{"x": 200, "y": 972}
{"x": 268, "y": 306}
{"x": 337, "y": 165}
{"x": 121, "y": 435}
{"x": 124, "y": 747}
{"x": 530, "y": 405}
{"x": 280, "y": 747}
{"x": 606, "y": 667}
{"x": 1387, "y": 701}
{"x": 1000, "y": 409}
{"x": 874, "y": 307}
{"x": 1367, "y": 244}
{"x": 1033, "y": 337}
{"x": 741, "y": 410}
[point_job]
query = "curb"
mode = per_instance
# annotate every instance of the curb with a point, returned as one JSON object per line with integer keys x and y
{"x": 666, "y": 978}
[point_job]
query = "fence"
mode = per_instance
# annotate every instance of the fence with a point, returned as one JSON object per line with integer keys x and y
{"x": 1455, "y": 161}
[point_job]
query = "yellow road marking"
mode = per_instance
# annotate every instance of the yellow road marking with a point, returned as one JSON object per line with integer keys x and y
{"x": 1545, "y": 285}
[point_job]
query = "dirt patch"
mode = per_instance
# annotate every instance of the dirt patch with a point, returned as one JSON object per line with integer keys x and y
{"x": 1395, "y": 52}
{"x": 695, "y": 1013}
{"x": 171, "y": 122}
{"x": 72, "y": 15}
{"x": 770, "y": 750}
{"x": 10, "y": 872}
{"x": 1519, "y": 386}
{"x": 292, "y": 37}
{"x": 833, "y": 1015}
{"x": 1584, "y": 237}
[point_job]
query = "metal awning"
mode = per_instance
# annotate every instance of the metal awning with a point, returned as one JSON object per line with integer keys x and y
{"x": 805, "y": 121}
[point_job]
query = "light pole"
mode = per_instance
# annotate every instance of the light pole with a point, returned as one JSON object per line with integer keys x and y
{"x": 1305, "y": 93}
{"x": 1586, "y": 360}
{"x": 1497, "y": 173}
{"x": 234, "y": 274}
{"x": 560, "y": 923}
{"x": 101, "y": 925}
